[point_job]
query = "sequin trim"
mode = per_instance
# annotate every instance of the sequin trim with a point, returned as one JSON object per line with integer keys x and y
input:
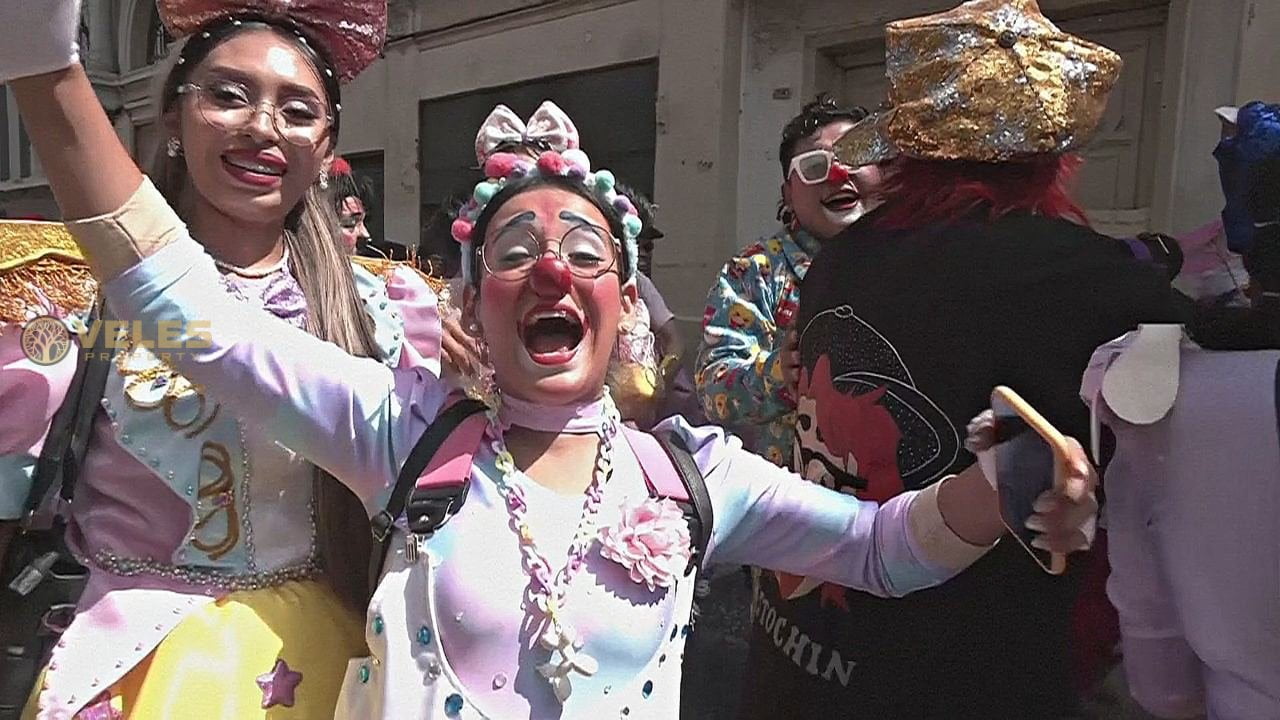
{"x": 133, "y": 567}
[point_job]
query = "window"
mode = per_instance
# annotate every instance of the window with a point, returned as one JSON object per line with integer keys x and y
{"x": 158, "y": 39}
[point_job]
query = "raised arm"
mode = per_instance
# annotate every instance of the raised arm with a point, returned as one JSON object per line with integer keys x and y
{"x": 88, "y": 169}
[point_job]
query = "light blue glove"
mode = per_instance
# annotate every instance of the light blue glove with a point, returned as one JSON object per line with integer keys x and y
{"x": 38, "y": 36}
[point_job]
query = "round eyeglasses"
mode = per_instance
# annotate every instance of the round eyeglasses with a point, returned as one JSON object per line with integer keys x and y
{"x": 589, "y": 251}
{"x": 229, "y": 105}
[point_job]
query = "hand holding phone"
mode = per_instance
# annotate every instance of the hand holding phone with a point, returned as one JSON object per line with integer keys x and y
{"x": 1043, "y": 478}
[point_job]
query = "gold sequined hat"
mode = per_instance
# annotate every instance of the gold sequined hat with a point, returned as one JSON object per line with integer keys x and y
{"x": 989, "y": 81}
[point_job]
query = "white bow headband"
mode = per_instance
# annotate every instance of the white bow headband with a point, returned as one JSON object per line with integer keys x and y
{"x": 549, "y": 128}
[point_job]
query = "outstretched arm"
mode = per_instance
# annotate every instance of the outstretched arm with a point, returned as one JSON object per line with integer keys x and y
{"x": 767, "y": 516}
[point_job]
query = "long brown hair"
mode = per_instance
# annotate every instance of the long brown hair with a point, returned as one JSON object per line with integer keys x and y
{"x": 324, "y": 272}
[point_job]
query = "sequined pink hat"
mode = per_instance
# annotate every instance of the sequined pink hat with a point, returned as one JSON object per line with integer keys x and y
{"x": 352, "y": 31}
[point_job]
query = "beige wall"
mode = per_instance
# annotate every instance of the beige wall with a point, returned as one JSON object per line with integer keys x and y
{"x": 1259, "y": 52}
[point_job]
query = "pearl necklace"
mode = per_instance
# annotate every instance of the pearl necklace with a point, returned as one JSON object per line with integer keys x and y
{"x": 545, "y": 593}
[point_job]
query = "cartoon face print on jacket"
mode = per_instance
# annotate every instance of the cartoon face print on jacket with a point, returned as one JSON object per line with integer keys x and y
{"x": 863, "y": 427}
{"x": 848, "y": 443}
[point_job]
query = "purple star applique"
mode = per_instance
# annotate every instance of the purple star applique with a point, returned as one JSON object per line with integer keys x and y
{"x": 279, "y": 685}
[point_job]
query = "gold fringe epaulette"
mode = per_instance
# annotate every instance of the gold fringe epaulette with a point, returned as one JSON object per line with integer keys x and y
{"x": 41, "y": 265}
{"x": 383, "y": 268}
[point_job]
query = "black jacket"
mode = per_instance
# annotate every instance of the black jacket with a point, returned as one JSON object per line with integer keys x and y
{"x": 913, "y": 330}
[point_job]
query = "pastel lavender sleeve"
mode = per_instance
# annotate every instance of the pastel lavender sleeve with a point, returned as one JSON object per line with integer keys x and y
{"x": 770, "y": 517}
{"x": 354, "y": 417}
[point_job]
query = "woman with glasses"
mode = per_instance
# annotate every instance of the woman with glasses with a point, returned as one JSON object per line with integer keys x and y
{"x": 220, "y": 561}
{"x": 559, "y": 585}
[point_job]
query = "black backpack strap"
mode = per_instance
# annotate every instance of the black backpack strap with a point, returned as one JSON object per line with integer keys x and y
{"x": 419, "y": 457}
{"x": 702, "y": 516}
{"x": 72, "y": 424}
{"x": 425, "y": 449}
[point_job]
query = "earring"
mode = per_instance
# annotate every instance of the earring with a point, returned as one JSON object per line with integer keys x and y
{"x": 173, "y": 148}
{"x": 324, "y": 180}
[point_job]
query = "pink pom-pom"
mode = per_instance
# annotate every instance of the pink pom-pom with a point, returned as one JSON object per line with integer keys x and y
{"x": 461, "y": 230}
{"x": 551, "y": 163}
{"x": 500, "y": 165}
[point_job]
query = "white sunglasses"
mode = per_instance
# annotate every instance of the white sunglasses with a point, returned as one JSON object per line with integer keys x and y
{"x": 813, "y": 166}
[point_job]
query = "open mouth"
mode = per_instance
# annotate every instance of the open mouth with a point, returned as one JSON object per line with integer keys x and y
{"x": 255, "y": 168}
{"x": 843, "y": 201}
{"x": 552, "y": 335}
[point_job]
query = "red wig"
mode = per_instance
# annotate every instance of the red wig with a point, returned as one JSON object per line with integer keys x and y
{"x": 928, "y": 192}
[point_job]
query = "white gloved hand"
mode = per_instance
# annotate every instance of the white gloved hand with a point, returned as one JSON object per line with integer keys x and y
{"x": 38, "y": 36}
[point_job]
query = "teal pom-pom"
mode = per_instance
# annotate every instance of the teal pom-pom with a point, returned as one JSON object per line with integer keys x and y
{"x": 633, "y": 255}
{"x": 632, "y": 225}
{"x": 484, "y": 192}
{"x": 604, "y": 181}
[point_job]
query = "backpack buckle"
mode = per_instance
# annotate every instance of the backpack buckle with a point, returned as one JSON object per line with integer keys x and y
{"x": 430, "y": 508}
{"x": 381, "y": 525}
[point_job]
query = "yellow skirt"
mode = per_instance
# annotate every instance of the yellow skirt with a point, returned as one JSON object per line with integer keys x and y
{"x": 286, "y": 647}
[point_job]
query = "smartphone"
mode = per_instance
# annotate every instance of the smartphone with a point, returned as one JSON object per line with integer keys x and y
{"x": 1030, "y": 458}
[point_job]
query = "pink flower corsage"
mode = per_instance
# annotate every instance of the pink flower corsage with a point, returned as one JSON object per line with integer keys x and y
{"x": 650, "y": 540}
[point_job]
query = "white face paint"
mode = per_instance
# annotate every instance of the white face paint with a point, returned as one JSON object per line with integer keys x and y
{"x": 863, "y": 192}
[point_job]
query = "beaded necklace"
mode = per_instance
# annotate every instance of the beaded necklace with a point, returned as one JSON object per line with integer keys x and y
{"x": 546, "y": 590}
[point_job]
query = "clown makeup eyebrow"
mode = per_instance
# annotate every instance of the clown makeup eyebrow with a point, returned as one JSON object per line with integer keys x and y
{"x": 525, "y": 218}
{"x": 570, "y": 216}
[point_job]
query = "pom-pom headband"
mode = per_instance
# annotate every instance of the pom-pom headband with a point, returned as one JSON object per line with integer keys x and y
{"x": 503, "y": 168}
